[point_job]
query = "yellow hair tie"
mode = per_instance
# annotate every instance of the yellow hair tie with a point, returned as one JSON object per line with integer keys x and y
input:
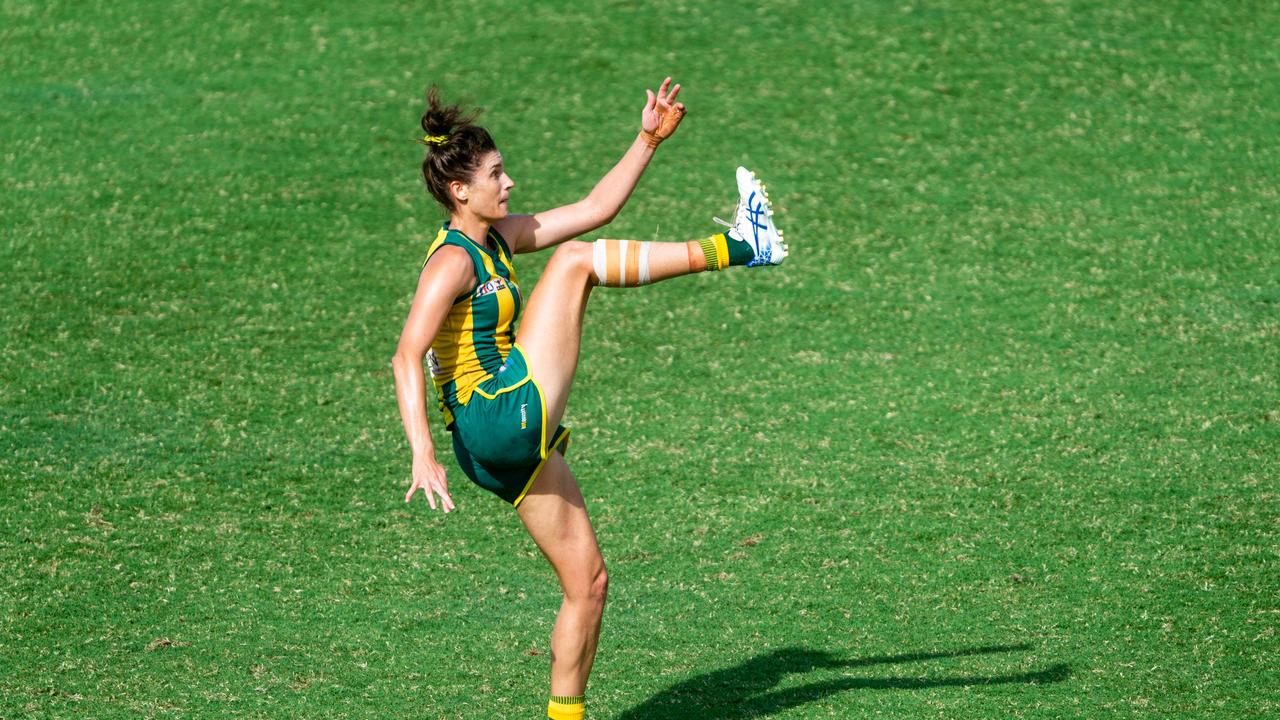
{"x": 435, "y": 140}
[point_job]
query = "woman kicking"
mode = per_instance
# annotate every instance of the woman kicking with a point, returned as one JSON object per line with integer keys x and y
{"x": 503, "y": 390}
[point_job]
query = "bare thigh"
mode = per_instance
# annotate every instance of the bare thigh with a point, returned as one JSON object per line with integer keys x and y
{"x": 551, "y": 330}
{"x": 555, "y": 515}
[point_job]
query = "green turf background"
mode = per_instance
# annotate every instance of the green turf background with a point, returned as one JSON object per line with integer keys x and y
{"x": 1000, "y": 440}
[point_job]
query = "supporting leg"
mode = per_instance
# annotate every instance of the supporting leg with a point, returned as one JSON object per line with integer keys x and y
{"x": 556, "y": 516}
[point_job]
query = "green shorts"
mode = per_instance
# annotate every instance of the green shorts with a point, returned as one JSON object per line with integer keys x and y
{"x": 500, "y": 436}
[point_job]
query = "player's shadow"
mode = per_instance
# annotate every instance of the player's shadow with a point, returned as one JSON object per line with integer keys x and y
{"x": 746, "y": 690}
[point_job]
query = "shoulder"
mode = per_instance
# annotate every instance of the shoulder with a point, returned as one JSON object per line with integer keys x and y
{"x": 445, "y": 237}
{"x": 449, "y": 243}
{"x": 449, "y": 267}
{"x": 449, "y": 254}
{"x": 448, "y": 257}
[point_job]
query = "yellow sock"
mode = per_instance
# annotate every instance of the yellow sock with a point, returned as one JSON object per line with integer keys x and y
{"x": 716, "y": 250}
{"x": 566, "y": 707}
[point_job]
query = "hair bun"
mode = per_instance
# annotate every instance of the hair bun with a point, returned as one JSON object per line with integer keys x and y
{"x": 440, "y": 119}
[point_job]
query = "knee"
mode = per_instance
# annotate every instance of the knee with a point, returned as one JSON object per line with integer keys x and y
{"x": 592, "y": 593}
{"x": 600, "y": 587}
{"x": 574, "y": 255}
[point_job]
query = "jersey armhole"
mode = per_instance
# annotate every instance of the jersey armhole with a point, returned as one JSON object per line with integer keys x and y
{"x": 501, "y": 242}
{"x": 476, "y": 265}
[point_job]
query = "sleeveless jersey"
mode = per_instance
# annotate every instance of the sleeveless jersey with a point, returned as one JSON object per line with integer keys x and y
{"x": 479, "y": 331}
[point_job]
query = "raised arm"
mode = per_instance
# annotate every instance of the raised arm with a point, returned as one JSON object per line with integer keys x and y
{"x": 448, "y": 274}
{"x": 529, "y": 233}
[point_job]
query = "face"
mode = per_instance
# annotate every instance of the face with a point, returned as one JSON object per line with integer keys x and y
{"x": 487, "y": 193}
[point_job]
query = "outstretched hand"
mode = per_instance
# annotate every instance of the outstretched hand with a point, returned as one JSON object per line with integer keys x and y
{"x": 428, "y": 475}
{"x": 662, "y": 114}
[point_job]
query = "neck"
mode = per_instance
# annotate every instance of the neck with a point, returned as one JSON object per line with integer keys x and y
{"x": 471, "y": 226}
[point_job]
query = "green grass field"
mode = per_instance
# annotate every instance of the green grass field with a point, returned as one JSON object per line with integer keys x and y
{"x": 1001, "y": 440}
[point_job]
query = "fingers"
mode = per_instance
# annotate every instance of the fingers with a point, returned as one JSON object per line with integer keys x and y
{"x": 434, "y": 485}
{"x": 446, "y": 502}
{"x": 662, "y": 89}
{"x": 674, "y": 92}
{"x": 649, "y": 104}
{"x": 441, "y": 488}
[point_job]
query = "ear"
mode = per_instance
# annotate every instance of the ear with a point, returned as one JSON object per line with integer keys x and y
{"x": 459, "y": 190}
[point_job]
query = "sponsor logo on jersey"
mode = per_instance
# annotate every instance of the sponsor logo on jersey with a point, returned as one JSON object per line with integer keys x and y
{"x": 492, "y": 286}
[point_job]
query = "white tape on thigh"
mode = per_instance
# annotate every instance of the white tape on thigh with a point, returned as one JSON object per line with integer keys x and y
{"x": 620, "y": 249}
{"x": 620, "y": 263}
{"x": 598, "y": 261}
{"x": 644, "y": 263}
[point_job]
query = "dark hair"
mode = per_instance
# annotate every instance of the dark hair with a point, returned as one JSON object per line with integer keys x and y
{"x": 458, "y": 155}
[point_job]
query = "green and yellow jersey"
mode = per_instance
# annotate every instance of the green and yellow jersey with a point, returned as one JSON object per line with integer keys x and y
{"x": 479, "y": 331}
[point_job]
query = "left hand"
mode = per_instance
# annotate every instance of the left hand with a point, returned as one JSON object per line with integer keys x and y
{"x": 429, "y": 475}
{"x": 662, "y": 114}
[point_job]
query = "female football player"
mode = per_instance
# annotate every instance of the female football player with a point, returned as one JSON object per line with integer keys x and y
{"x": 502, "y": 389}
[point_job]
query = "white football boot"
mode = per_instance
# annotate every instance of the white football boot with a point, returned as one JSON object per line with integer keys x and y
{"x": 753, "y": 222}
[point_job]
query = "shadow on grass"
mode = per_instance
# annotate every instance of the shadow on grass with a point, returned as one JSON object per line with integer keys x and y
{"x": 744, "y": 691}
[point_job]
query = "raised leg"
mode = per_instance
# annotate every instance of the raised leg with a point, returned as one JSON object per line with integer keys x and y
{"x": 551, "y": 330}
{"x": 556, "y": 516}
